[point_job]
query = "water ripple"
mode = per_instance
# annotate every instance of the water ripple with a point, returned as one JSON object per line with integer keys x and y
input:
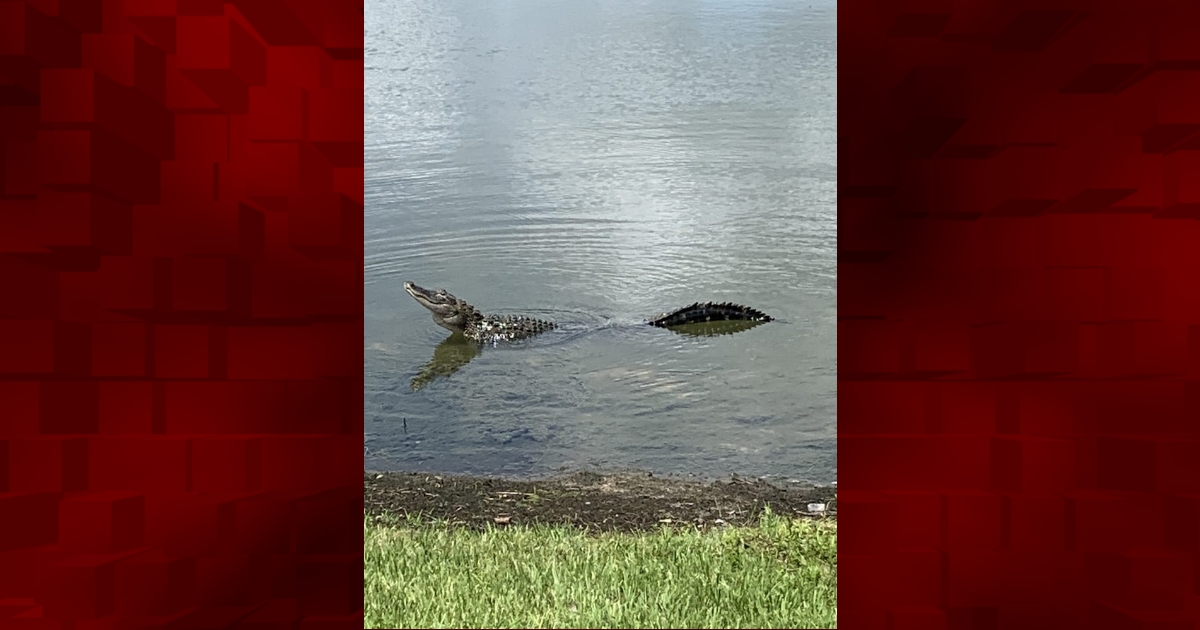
{"x": 597, "y": 164}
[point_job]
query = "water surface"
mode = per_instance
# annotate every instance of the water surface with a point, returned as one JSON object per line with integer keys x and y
{"x": 598, "y": 163}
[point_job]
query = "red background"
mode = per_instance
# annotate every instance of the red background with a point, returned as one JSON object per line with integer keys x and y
{"x": 1018, "y": 344}
{"x": 180, "y": 313}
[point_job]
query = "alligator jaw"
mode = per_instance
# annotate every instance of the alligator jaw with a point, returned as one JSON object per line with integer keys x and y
{"x": 448, "y": 311}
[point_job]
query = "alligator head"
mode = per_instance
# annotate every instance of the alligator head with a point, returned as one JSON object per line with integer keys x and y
{"x": 448, "y": 311}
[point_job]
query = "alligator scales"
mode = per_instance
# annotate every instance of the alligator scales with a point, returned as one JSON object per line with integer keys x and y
{"x": 457, "y": 315}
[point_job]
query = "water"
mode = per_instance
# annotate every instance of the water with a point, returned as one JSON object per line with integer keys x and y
{"x": 598, "y": 163}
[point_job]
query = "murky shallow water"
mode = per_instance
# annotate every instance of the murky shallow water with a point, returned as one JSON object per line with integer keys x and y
{"x": 598, "y": 163}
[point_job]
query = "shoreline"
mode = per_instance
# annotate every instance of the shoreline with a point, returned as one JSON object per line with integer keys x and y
{"x": 617, "y": 501}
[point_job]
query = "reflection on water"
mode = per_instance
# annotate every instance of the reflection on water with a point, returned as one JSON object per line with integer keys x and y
{"x": 457, "y": 351}
{"x": 597, "y": 164}
{"x": 712, "y": 329}
{"x": 450, "y": 355}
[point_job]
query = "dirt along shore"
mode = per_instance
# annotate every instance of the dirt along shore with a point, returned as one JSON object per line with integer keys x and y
{"x": 626, "y": 501}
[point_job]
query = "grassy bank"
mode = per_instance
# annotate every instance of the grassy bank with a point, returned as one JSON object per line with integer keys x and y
{"x": 781, "y": 572}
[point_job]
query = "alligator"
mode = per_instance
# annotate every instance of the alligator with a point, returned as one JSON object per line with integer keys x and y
{"x": 464, "y": 320}
{"x": 457, "y": 315}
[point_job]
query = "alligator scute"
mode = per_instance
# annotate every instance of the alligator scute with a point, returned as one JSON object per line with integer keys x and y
{"x": 702, "y": 312}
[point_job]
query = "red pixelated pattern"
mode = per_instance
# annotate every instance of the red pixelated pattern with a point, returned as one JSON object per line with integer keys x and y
{"x": 1019, "y": 342}
{"x": 180, "y": 260}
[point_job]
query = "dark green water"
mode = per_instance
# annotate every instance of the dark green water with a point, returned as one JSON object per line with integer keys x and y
{"x": 597, "y": 163}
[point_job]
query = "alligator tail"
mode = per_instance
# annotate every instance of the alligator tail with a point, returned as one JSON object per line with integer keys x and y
{"x": 709, "y": 312}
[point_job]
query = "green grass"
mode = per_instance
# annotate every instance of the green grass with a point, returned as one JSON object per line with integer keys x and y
{"x": 782, "y": 573}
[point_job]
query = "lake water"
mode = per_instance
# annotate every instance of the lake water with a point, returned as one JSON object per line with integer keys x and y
{"x": 598, "y": 163}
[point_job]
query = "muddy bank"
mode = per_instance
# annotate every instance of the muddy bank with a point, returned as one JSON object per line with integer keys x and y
{"x": 600, "y": 502}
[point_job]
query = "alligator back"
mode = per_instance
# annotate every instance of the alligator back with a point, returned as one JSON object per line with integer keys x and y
{"x": 709, "y": 312}
{"x": 494, "y": 328}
